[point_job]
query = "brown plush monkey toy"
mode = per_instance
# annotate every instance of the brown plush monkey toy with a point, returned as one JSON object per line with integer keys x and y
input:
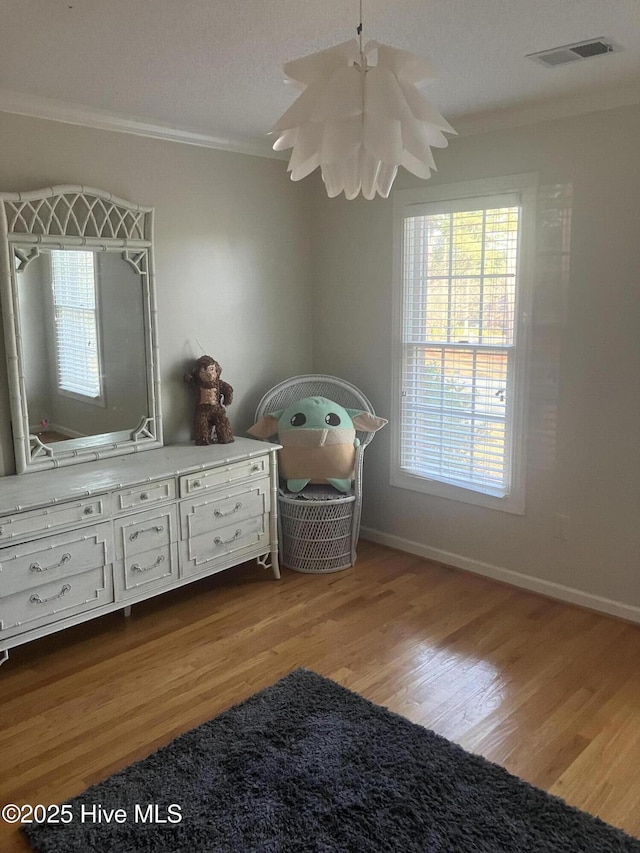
{"x": 210, "y": 423}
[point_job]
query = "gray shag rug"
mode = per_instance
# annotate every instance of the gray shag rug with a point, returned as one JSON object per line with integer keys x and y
{"x": 306, "y": 765}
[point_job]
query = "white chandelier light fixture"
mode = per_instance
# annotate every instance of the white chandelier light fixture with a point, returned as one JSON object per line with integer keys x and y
{"x": 359, "y": 121}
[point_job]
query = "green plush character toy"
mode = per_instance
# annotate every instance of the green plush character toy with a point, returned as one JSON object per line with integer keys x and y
{"x": 318, "y": 440}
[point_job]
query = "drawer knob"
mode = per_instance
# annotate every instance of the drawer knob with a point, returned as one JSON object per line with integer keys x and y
{"x": 157, "y": 528}
{"x": 1, "y": 531}
{"x": 136, "y": 567}
{"x": 144, "y": 496}
{"x": 220, "y": 514}
{"x": 36, "y": 567}
{"x": 88, "y": 510}
{"x": 35, "y": 599}
{"x": 219, "y": 541}
{"x": 197, "y": 484}
{"x": 256, "y": 467}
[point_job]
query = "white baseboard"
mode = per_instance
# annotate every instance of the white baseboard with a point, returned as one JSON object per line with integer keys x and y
{"x": 63, "y": 430}
{"x": 539, "y": 585}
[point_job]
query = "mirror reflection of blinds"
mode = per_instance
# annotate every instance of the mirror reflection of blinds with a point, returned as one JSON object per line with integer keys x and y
{"x": 459, "y": 301}
{"x": 74, "y": 300}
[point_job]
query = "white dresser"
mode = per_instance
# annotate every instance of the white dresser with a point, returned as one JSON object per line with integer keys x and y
{"x": 84, "y": 540}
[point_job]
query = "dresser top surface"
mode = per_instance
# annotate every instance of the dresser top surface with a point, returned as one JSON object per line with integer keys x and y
{"x": 19, "y": 492}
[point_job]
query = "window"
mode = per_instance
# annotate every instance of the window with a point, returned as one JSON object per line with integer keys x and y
{"x": 73, "y": 281}
{"x": 460, "y": 363}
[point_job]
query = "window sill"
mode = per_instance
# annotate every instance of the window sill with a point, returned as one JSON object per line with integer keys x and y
{"x": 513, "y": 503}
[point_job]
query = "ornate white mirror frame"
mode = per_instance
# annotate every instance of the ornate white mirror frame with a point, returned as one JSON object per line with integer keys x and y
{"x": 63, "y": 218}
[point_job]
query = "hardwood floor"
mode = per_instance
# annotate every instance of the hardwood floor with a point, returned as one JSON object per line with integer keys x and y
{"x": 550, "y": 691}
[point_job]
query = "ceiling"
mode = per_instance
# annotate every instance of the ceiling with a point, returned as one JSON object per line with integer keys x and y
{"x": 210, "y": 71}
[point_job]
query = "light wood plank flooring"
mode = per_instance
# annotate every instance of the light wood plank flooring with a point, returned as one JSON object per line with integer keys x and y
{"x": 550, "y": 691}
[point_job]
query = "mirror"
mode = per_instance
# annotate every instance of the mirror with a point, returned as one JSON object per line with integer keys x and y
{"x": 76, "y": 271}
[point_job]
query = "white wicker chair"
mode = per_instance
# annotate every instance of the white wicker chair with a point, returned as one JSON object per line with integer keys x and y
{"x": 319, "y": 527}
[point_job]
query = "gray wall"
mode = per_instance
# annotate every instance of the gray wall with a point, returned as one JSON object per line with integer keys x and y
{"x": 34, "y": 312}
{"x": 273, "y": 279}
{"x": 583, "y": 456}
{"x": 231, "y": 240}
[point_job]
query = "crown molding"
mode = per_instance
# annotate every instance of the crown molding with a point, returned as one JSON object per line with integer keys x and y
{"x": 466, "y": 124}
{"x": 66, "y": 112}
{"x": 547, "y": 110}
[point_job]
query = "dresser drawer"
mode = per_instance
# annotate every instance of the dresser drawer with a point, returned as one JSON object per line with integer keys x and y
{"x": 214, "y": 478}
{"x": 147, "y": 571}
{"x": 52, "y": 601}
{"x": 28, "y": 524}
{"x": 54, "y": 558}
{"x": 218, "y": 509}
{"x": 145, "y": 531}
{"x": 143, "y": 496}
{"x": 201, "y": 552}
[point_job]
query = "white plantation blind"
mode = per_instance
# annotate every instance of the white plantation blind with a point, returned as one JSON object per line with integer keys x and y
{"x": 459, "y": 342}
{"x": 74, "y": 302}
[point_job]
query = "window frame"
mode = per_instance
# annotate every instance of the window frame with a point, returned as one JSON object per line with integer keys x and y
{"x": 408, "y": 201}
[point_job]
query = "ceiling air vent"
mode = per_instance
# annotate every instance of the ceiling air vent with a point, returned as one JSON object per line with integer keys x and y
{"x": 572, "y": 52}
